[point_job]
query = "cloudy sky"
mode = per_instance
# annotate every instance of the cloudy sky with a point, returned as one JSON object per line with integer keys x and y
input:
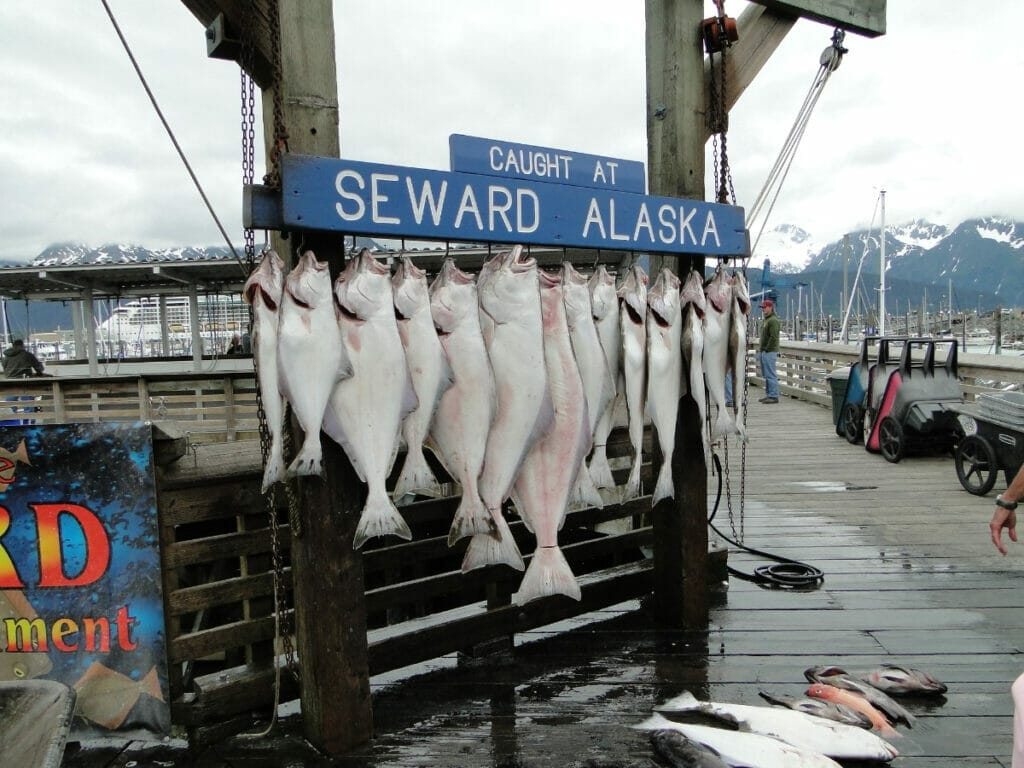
{"x": 930, "y": 112}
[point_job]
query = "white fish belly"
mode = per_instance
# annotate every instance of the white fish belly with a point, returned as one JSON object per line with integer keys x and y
{"x": 264, "y": 340}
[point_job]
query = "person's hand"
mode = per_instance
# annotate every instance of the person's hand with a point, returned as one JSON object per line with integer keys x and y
{"x": 1003, "y": 518}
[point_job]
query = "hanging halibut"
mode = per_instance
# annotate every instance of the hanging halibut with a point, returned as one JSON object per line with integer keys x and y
{"x": 693, "y": 306}
{"x": 263, "y": 291}
{"x": 633, "y": 321}
{"x": 605, "y": 307}
{"x": 429, "y": 370}
{"x": 310, "y": 356}
{"x": 598, "y": 385}
{"x": 664, "y": 372}
{"x": 717, "y": 322}
{"x": 542, "y": 489}
{"x": 510, "y": 300}
{"x": 365, "y": 412}
{"x": 738, "y": 347}
{"x": 462, "y": 422}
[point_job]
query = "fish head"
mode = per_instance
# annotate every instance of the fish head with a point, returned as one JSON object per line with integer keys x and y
{"x": 663, "y": 298}
{"x": 363, "y": 289}
{"x": 719, "y": 292}
{"x": 576, "y": 291}
{"x": 453, "y": 296}
{"x": 633, "y": 295}
{"x": 266, "y": 283}
{"x": 409, "y": 286}
{"x": 683, "y": 752}
{"x": 692, "y": 293}
{"x": 510, "y": 285}
{"x": 741, "y": 291}
{"x": 602, "y": 293}
{"x": 309, "y": 282}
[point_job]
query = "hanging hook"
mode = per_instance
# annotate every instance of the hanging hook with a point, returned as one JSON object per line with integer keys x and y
{"x": 597, "y": 259}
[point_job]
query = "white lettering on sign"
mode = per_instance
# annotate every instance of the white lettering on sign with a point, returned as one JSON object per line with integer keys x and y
{"x": 524, "y": 162}
{"x": 360, "y": 206}
{"x": 377, "y": 197}
{"x": 468, "y": 205}
{"x": 426, "y": 197}
{"x": 521, "y": 196}
{"x": 495, "y": 208}
{"x": 675, "y": 224}
{"x": 599, "y": 174}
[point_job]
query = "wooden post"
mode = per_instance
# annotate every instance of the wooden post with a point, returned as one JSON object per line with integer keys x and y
{"x": 330, "y": 607}
{"x": 676, "y": 133}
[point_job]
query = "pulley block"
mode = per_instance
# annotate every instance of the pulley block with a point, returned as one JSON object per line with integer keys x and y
{"x": 718, "y": 32}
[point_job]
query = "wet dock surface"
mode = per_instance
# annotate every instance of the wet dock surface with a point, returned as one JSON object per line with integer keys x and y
{"x": 910, "y": 578}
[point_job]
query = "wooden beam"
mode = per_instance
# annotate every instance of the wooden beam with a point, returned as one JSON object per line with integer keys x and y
{"x": 676, "y": 134}
{"x": 254, "y": 15}
{"x": 864, "y": 17}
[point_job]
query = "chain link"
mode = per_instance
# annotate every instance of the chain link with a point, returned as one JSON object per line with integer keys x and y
{"x": 280, "y": 144}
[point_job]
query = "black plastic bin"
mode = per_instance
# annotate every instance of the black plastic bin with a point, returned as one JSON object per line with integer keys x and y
{"x": 837, "y": 381}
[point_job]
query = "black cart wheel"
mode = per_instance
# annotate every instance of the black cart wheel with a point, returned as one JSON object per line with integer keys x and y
{"x": 853, "y": 423}
{"x": 976, "y": 465}
{"x": 890, "y": 439}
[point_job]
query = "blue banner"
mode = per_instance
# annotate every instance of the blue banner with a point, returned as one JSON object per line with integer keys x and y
{"x": 491, "y": 157}
{"x": 355, "y": 197}
{"x": 80, "y": 586}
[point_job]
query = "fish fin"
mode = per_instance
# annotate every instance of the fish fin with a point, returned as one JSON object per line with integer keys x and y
{"x": 410, "y": 402}
{"x": 345, "y": 369}
{"x": 585, "y": 494}
{"x": 632, "y": 487}
{"x": 600, "y": 469}
{"x": 416, "y": 475}
{"x": 380, "y": 517}
{"x": 521, "y": 509}
{"x": 471, "y": 519}
{"x": 275, "y": 470}
{"x": 681, "y": 703}
{"x": 655, "y": 723}
{"x": 447, "y": 376}
{"x": 545, "y": 418}
{"x": 548, "y": 574}
{"x": 487, "y": 550}
{"x": 724, "y": 423}
{"x": 310, "y": 460}
{"x": 664, "y": 488}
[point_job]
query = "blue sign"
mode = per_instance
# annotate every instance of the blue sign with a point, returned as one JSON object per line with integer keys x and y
{"x": 490, "y": 157}
{"x": 354, "y": 197}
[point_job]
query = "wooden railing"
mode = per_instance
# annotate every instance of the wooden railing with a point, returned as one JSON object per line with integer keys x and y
{"x": 210, "y": 406}
{"x": 803, "y": 369}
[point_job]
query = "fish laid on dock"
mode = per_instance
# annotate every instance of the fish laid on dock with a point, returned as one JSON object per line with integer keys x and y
{"x": 829, "y": 710}
{"x": 546, "y": 479}
{"x": 797, "y": 728}
{"x": 458, "y": 433}
{"x": 680, "y": 752}
{"x": 879, "y": 721}
{"x": 365, "y": 412}
{"x": 840, "y": 679}
{"x": 430, "y": 372}
{"x": 310, "y": 357}
{"x": 664, "y": 372}
{"x": 739, "y": 748}
{"x": 900, "y": 681}
{"x": 263, "y": 290}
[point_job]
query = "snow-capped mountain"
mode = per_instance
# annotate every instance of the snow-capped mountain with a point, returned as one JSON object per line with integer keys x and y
{"x": 787, "y": 247}
{"x": 65, "y": 254}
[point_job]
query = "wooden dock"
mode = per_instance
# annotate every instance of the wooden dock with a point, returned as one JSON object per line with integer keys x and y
{"x": 910, "y": 578}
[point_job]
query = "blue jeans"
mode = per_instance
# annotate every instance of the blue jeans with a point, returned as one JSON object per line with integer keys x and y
{"x": 771, "y": 378}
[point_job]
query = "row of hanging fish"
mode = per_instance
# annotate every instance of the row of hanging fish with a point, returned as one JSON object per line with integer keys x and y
{"x": 511, "y": 379}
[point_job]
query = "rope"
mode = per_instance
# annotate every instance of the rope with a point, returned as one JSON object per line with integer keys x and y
{"x": 786, "y": 573}
{"x": 829, "y": 62}
{"x": 170, "y": 133}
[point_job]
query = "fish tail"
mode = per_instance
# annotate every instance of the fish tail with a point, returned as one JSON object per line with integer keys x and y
{"x": 585, "y": 493}
{"x": 632, "y": 488}
{"x": 548, "y": 574}
{"x": 275, "y": 470}
{"x": 380, "y": 517}
{"x": 600, "y": 469}
{"x": 471, "y": 518}
{"x": 724, "y": 423}
{"x": 484, "y": 549}
{"x": 664, "y": 489}
{"x": 681, "y": 703}
{"x": 416, "y": 475}
{"x": 310, "y": 459}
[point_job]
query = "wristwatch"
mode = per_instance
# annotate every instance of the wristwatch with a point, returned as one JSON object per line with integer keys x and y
{"x": 1010, "y": 505}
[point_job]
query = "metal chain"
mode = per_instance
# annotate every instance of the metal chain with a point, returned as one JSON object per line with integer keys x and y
{"x": 280, "y": 145}
{"x": 719, "y": 118}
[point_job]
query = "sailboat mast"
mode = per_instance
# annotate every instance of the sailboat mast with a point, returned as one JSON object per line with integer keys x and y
{"x": 881, "y": 290}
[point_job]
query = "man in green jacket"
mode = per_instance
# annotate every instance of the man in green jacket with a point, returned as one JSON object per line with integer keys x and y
{"x": 768, "y": 352}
